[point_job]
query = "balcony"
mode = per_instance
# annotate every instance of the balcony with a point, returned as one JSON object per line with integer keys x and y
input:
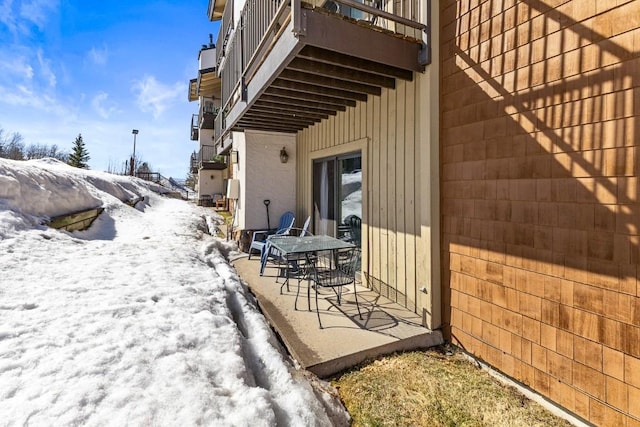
{"x": 208, "y": 83}
{"x": 204, "y": 120}
{"x": 208, "y": 113}
{"x": 195, "y": 127}
{"x": 286, "y": 66}
{"x": 207, "y": 159}
{"x": 206, "y": 89}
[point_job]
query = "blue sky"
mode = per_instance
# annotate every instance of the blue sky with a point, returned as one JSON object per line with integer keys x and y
{"x": 103, "y": 68}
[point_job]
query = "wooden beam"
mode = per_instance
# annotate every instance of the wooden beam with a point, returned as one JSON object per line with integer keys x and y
{"x": 285, "y": 93}
{"x": 282, "y": 109}
{"x": 302, "y": 104}
{"x": 282, "y": 116}
{"x": 346, "y": 61}
{"x": 242, "y": 126}
{"x": 308, "y": 78}
{"x": 276, "y": 118}
{"x": 320, "y": 90}
{"x": 295, "y": 109}
{"x": 266, "y": 121}
{"x": 341, "y": 73}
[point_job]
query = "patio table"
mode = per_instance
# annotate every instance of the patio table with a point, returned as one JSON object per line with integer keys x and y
{"x": 294, "y": 246}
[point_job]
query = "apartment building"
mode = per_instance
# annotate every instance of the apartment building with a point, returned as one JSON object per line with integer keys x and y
{"x": 490, "y": 148}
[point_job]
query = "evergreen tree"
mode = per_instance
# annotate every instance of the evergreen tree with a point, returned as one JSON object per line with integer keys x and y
{"x": 191, "y": 181}
{"x": 79, "y": 155}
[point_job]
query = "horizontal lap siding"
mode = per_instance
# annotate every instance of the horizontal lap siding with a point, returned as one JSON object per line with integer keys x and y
{"x": 540, "y": 213}
{"x": 392, "y": 214}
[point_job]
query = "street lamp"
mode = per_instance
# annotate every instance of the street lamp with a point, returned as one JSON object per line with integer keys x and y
{"x": 133, "y": 158}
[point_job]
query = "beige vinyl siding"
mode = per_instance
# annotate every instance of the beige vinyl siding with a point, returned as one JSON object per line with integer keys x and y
{"x": 387, "y": 130}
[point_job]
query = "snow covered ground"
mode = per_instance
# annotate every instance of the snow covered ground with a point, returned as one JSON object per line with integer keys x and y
{"x": 139, "y": 320}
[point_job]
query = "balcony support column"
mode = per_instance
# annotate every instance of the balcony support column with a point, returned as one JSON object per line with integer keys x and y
{"x": 299, "y": 19}
{"x": 424, "y": 57}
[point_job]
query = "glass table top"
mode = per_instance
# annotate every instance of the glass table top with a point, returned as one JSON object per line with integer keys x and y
{"x": 294, "y": 244}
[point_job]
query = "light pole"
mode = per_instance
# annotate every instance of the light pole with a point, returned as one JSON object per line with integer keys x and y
{"x": 133, "y": 158}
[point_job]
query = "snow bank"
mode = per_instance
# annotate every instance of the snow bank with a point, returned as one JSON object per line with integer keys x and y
{"x": 139, "y": 320}
{"x": 48, "y": 187}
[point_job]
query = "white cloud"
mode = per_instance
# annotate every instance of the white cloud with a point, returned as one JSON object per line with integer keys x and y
{"x": 38, "y": 11}
{"x": 103, "y": 106}
{"x": 45, "y": 69}
{"x": 23, "y": 96}
{"x": 7, "y": 17}
{"x": 20, "y": 16}
{"x": 155, "y": 97}
{"x": 98, "y": 56}
{"x": 16, "y": 67}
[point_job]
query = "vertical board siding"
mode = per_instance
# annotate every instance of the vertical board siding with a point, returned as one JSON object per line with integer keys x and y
{"x": 410, "y": 173}
{"x": 375, "y": 191}
{"x": 540, "y": 195}
{"x": 401, "y": 202}
{"x": 391, "y": 228}
{"x": 383, "y": 171}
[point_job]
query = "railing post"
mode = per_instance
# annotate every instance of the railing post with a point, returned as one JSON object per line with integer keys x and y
{"x": 299, "y": 19}
{"x": 424, "y": 57}
{"x": 243, "y": 90}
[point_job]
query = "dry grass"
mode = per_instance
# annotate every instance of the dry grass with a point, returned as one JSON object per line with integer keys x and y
{"x": 432, "y": 389}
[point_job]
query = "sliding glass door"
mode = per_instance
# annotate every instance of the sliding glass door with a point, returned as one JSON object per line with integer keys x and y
{"x": 337, "y": 196}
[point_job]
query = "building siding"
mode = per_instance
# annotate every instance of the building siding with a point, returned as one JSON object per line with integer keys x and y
{"x": 264, "y": 177}
{"x": 540, "y": 213}
{"x": 391, "y": 139}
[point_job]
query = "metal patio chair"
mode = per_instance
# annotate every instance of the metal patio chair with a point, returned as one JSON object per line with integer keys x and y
{"x": 259, "y": 239}
{"x": 271, "y": 253}
{"x": 340, "y": 272}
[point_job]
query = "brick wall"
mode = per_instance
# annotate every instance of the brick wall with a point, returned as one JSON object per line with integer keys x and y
{"x": 540, "y": 214}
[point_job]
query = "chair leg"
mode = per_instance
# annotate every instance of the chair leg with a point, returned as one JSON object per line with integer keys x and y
{"x": 303, "y": 276}
{"x": 263, "y": 261}
{"x": 264, "y": 254}
{"x": 317, "y": 309}
{"x": 286, "y": 272}
{"x": 355, "y": 294}
{"x": 308, "y": 294}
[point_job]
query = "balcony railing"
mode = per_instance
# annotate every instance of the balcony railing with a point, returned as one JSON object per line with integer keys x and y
{"x": 226, "y": 29}
{"x": 149, "y": 176}
{"x": 195, "y": 127}
{"x": 204, "y": 120}
{"x": 193, "y": 163}
{"x": 256, "y": 20}
{"x": 218, "y": 126}
{"x": 207, "y": 158}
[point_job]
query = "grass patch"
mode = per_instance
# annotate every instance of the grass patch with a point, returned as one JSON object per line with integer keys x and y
{"x": 429, "y": 388}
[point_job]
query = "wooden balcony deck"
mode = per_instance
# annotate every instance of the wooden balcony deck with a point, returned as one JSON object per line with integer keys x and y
{"x": 310, "y": 65}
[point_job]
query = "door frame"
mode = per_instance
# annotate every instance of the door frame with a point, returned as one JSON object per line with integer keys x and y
{"x": 337, "y": 194}
{"x": 361, "y": 145}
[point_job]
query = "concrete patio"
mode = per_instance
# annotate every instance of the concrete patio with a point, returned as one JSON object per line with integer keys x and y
{"x": 345, "y": 339}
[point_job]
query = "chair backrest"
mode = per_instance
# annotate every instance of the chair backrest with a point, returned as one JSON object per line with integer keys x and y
{"x": 286, "y": 222}
{"x": 355, "y": 229}
{"x": 305, "y": 227}
{"x": 340, "y": 271}
{"x": 349, "y": 261}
